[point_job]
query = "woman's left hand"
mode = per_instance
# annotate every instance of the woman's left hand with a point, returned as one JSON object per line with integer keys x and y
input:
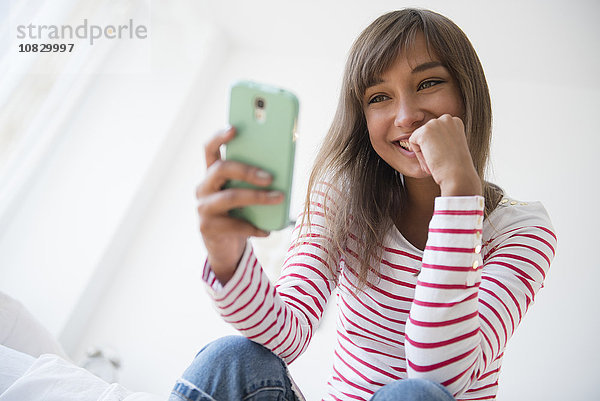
{"x": 441, "y": 148}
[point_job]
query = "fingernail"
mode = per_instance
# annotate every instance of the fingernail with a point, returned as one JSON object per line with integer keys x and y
{"x": 262, "y": 175}
{"x": 274, "y": 194}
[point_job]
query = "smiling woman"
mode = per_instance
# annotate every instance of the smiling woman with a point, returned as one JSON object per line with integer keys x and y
{"x": 101, "y": 264}
{"x": 433, "y": 272}
{"x": 401, "y": 57}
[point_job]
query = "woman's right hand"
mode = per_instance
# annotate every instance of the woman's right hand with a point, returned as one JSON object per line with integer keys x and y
{"x": 225, "y": 236}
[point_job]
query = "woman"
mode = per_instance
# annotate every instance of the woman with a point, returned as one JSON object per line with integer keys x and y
{"x": 434, "y": 269}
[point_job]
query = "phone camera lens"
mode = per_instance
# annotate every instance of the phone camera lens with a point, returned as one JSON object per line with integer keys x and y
{"x": 260, "y": 103}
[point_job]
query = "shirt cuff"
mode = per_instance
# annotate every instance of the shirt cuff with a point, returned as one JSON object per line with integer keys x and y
{"x": 453, "y": 251}
{"x": 214, "y": 286}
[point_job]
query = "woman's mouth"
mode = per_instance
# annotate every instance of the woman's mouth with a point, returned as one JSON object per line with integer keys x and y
{"x": 404, "y": 145}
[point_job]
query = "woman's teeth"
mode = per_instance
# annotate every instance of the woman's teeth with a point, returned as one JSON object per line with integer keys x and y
{"x": 404, "y": 144}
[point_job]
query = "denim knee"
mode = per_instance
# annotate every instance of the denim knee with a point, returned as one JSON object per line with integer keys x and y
{"x": 234, "y": 367}
{"x": 235, "y": 353}
{"x": 413, "y": 390}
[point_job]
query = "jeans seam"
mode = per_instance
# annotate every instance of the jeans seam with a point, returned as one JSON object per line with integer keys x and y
{"x": 182, "y": 396}
{"x": 189, "y": 386}
{"x": 280, "y": 389}
{"x": 185, "y": 397}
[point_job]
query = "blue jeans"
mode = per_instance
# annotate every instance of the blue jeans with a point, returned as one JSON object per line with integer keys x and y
{"x": 235, "y": 368}
{"x": 412, "y": 390}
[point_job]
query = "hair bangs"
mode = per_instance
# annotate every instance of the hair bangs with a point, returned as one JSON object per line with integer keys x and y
{"x": 375, "y": 53}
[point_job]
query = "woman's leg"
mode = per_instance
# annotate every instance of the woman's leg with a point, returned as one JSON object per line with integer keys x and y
{"x": 413, "y": 390}
{"x": 234, "y": 368}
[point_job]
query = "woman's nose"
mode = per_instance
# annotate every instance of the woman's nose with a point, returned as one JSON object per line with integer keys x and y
{"x": 408, "y": 114}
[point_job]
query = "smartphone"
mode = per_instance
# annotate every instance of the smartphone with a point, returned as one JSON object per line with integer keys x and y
{"x": 265, "y": 118}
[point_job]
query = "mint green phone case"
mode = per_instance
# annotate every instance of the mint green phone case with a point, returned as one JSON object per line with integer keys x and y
{"x": 265, "y": 119}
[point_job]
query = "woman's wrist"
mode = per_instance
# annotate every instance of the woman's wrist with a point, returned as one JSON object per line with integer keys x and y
{"x": 462, "y": 186}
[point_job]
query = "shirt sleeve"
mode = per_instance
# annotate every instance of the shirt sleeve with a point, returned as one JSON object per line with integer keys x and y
{"x": 466, "y": 306}
{"x": 282, "y": 317}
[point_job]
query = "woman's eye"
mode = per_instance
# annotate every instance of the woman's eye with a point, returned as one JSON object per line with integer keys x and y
{"x": 377, "y": 99}
{"x": 429, "y": 84}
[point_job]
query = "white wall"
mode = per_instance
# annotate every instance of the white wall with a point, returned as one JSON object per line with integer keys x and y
{"x": 541, "y": 59}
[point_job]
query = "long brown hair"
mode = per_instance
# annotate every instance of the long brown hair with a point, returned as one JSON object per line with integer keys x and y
{"x": 347, "y": 159}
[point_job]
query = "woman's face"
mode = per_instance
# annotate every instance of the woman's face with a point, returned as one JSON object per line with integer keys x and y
{"x": 416, "y": 89}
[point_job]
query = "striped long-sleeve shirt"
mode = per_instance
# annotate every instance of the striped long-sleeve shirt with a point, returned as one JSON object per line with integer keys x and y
{"x": 444, "y": 313}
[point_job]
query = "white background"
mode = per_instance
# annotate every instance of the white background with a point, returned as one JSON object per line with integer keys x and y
{"x": 102, "y": 245}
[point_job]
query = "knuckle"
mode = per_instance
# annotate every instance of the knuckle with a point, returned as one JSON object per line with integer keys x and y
{"x": 208, "y": 144}
{"x": 249, "y": 173}
{"x": 199, "y": 191}
{"x": 211, "y": 144}
{"x": 201, "y": 208}
{"x": 204, "y": 225}
{"x": 260, "y": 196}
{"x": 431, "y": 123}
{"x": 214, "y": 168}
{"x": 230, "y": 196}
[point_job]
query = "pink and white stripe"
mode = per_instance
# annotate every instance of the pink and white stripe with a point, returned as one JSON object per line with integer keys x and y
{"x": 444, "y": 314}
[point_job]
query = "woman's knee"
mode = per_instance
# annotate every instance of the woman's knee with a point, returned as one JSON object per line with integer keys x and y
{"x": 232, "y": 350}
{"x": 231, "y": 354}
{"x": 413, "y": 390}
{"x": 234, "y": 367}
